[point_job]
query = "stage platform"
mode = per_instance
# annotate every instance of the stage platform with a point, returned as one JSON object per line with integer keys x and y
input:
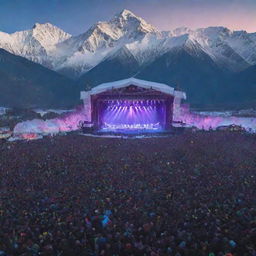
{"x": 134, "y": 133}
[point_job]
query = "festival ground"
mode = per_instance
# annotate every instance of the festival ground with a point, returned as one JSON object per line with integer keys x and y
{"x": 187, "y": 194}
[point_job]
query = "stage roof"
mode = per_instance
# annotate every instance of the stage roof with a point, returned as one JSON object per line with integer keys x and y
{"x": 164, "y": 88}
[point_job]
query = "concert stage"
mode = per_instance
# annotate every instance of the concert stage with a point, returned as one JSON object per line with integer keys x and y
{"x": 131, "y": 105}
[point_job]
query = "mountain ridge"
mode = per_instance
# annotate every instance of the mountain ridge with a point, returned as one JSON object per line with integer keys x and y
{"x": 73, "y": 56}
{"x": 214, "y": 65}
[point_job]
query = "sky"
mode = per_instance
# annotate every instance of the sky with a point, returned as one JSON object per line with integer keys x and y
{"x": 76, "y": 16}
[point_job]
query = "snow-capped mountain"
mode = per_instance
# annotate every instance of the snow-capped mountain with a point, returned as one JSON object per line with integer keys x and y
{"x": 123, "y": 28}
{"x": 38, "y": 44}
{"x": 233, "y": 49}
{"x": 75, "y": 55}
{"x": 88, "y": 49}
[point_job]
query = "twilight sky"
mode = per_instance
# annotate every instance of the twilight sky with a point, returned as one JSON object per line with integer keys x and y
{"x": 76, "y": 16}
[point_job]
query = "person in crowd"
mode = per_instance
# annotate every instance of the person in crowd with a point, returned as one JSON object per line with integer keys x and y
{"x": 187, "y": 195}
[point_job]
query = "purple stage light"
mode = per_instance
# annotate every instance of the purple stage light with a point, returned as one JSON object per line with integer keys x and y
{"x": 133, "y": 115}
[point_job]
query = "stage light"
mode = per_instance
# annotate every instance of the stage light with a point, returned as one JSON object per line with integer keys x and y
{"x": 132, "y": 115}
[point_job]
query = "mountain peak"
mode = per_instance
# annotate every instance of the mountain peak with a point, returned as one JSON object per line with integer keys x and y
{"x": 181, "y": 31}
{"x": 123, "y": 27}
{"x": 126, "y": 14}
{"x": 129, "y": 21}
{"x": 43, "y": 25}
{"x": 48, "y": 27}
{"x": 48, "y": 35}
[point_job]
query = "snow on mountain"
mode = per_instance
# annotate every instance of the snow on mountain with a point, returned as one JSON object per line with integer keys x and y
{"x": 244, "y": 44}
{"x": 49, "y": 35}
{"x": 37, "y": 44}
{"x": 253, "y": 36}
{"x": 233, "y": 48}
{"x": 181, "y": 31}
{"x": 217, "y": 43}
{"x": 75, "y": 55}
{"x": 88, "y": 49}
{"x": 123, "y": 27}
{"x": 153, "y": 45}
{"x": 146, "y": 49}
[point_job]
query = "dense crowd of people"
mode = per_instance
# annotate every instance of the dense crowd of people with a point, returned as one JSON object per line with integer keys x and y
{"x": 192, "y": 194}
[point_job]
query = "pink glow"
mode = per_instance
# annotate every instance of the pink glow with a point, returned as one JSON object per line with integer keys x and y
{"x": 213, "y": 122}
{"x": 234, "y": 15}
{"x": 70, "y": 122}
{"x": 65, "y": 123}
{"x": 30, "y": 136}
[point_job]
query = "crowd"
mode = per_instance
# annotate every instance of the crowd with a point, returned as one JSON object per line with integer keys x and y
{"x": 192, "y": 194}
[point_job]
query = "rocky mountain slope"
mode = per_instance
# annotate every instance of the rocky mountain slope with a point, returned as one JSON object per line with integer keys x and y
{"x": 26, "y": 84}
